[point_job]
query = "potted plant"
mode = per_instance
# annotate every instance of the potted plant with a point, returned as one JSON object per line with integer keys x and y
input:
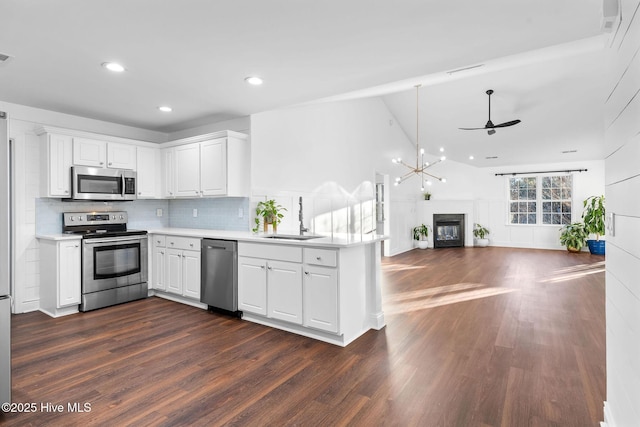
{"x": 574, "y": 236}
{"x": 480, "y": 233}
{"x": 427, "y": 195}
{"x": 420, "y": 234}
{"x": 270, "y": 213}
{"x": 593, "y": 218}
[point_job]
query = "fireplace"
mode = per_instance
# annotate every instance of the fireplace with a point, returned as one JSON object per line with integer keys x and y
{"x": 448, "y": 230}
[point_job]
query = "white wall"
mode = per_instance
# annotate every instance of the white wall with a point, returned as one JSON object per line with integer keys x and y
{"x": 329, "y": 153}
{"x": 483, "y": 197}
{"x": 622, "y": 111}
{"x": 331, "y": 149}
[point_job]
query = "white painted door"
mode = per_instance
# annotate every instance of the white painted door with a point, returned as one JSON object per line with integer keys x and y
{"x": 147, "y": 166}
{"x": 60, "y": 162}
{"x": 121, "y": 156}
{"x": 187, "y": 172}
{"x": 191, "y": 274}
{"x": 252, "y": 285}
{"x": 284, "y": 285}
{"x": 213, "y": 167}
{"x": 321, "y": 298}
{"x": 173, "y": 272}
{"x": 69, "y": 290}
{"x": 89, "y": 152}
{"x": 168, "y": 172}
{"x": 159, "y": 269}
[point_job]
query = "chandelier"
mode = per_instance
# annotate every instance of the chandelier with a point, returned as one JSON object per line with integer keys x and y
{"x": 421, "y": 166}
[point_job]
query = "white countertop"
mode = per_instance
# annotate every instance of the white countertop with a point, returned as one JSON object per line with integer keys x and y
{"x": 336, "y": 241}
{"x": 59, "y": 236}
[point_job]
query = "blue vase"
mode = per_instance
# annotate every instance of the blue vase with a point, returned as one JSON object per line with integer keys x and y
{"x": 596, "y": 247}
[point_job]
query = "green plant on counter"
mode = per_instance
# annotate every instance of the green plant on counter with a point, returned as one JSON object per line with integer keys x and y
{"x": 573, "y": 236}
{"x": 593, "y": 216}
{"x": 270, "y": 213}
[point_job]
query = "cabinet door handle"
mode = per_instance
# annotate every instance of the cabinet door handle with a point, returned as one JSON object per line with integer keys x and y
{"x": 262, "y": 267}
{"x": 306, "y": 272}
{"x": 66, "y": 191}
{"x": 162, "y": 252}
{"x": 139, "y": 193}
{"x": 110, "y": 163}
{"x": 269, "y": 268}
{"x": 102, "y": 163}
{"x": 318, "y": 258}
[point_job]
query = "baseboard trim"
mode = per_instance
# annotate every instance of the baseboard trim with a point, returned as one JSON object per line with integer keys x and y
{"x": 608, "y": 417}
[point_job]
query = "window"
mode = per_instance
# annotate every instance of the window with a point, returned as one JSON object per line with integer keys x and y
{"x": 556, "y": 199}
{"x": 540, "y": 200}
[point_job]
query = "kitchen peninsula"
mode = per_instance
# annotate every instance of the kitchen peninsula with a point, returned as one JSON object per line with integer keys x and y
{"x": 324, "y": 287}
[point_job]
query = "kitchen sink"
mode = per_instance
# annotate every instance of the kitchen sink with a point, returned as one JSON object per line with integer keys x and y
{"x": 291, "y": 237}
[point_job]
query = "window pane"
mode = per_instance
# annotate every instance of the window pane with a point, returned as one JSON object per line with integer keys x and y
{"x": 566, "y": 219}
{"x": 546, "y": 218}
{"x": 546, "y": 206}
{"x": 532, "y": 207}
{"x": 556, "y": 219}
{"x": 531, "y": 218}
{"x": 546, "y": 182}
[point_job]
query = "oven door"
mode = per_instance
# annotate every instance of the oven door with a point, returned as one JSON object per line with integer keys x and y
{"x": 112, "y": 262}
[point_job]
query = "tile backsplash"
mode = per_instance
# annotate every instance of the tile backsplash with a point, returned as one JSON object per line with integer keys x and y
{"x": 218, "y": 213}
{"x": 215, "y": 214}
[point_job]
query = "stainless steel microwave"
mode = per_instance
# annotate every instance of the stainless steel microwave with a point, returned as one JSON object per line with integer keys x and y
{"x": 102, "y": 184}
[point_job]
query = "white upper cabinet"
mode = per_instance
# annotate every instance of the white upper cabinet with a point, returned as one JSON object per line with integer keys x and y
{"x": 89, "y": 152}
{"x": 148, "y": 172}
{"x": 187, "y": 170}
{"x": 121, "y": 156}
{"x": 214, "y": 167}
{"x": 102, "y": 154}
{"x": 58, "y": 158}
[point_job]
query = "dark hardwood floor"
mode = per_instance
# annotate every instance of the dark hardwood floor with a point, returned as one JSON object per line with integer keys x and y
{"x": 474, "y": 337}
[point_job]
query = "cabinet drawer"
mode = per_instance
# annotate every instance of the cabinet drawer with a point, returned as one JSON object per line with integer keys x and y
{"x": 275, "y": 252}
{"x": 188, "y": 243}
{"x": 158, "y": 240}
{"x": 325, "y": 257}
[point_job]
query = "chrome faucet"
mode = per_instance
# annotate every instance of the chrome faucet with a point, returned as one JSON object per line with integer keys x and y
{"x": 302, "y": 228}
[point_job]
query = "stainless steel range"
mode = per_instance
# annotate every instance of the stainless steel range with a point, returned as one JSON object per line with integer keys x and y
{"x": 114, "y": 259}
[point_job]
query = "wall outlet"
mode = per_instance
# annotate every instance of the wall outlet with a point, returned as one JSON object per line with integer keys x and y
{"x": 195, "y": 213}
{"x": 159, "y": 212}
{"x": 240, "y": 213}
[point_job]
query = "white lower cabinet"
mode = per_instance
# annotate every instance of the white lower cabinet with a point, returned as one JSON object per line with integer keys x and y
{"x": 176, "y": 265}
{"x": 284, "y": 291}
{"x": 320, "y": 301}
{"x": 182, "y": 272}
{"x": 274, "y": 282}
{"x": 60, "y": 272}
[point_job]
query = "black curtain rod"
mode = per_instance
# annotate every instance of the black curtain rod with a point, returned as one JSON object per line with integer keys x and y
{"x": 533, "y": 173}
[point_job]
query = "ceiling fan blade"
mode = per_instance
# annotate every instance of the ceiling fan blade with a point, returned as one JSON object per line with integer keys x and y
{"x": 507, "y": 124}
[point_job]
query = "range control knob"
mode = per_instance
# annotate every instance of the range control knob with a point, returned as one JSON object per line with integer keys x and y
{"x": 113, "y": 217}
{"x": 71, "y": 218}
{"x": 121, "y": 216}
{"x": 80, "y": 218}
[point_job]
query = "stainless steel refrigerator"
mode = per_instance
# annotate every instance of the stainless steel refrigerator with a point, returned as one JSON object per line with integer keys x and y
{"x": 5, "y": 261}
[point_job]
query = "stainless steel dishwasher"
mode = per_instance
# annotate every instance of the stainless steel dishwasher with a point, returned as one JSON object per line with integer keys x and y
{"x": 219, "y": 287}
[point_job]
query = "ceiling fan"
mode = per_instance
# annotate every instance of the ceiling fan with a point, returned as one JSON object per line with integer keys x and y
{"x": 490, "y": 127}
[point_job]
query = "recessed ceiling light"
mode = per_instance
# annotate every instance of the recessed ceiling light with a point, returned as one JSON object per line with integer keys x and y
{"x": 165, "y": 108}
{"x": 441, "y": 149}
{"x": 470, "y": 157}
{"x": 253, "y": 80}
{"x": 113, "y": 66}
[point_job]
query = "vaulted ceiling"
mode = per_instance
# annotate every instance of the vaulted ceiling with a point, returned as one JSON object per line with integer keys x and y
{"x": 542, "y": 58}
